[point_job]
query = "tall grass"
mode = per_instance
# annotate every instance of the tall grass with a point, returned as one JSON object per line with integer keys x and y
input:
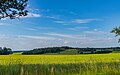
{"x": 106, "y": 64}
{"x": 62, "y": 69}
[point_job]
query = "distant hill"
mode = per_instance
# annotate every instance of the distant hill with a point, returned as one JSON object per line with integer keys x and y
{"x": 70, "y": 50}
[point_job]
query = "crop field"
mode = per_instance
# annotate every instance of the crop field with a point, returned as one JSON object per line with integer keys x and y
{"x": 89, "y": 64}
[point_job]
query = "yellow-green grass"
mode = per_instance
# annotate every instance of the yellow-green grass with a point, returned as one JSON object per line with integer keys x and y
{"x": 17, "y": 53}
{"x": 69, "y": 51}
{"x": 58, "y": 59}
{"x": 89, "y": 64}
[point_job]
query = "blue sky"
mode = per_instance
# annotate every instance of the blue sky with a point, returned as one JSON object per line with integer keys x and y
{"x": 77, "y": 23}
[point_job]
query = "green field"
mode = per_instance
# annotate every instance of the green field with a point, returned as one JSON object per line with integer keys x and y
{"x": 89, "y": 64}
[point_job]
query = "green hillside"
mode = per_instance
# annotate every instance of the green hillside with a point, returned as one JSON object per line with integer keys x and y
{"x": 17, "y": 53}
{"x": 69, "y": 51}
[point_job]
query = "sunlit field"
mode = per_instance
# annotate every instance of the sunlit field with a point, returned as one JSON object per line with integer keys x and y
{"x": 89, "y": 64}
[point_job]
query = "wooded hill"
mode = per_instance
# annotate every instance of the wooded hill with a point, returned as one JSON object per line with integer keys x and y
{"x": 71, "y": 50}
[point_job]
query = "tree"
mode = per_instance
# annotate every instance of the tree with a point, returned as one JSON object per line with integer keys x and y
{"x": 5, "y": 51}
{"x": 13, "y": 8}
{"x": 116, "y": 31}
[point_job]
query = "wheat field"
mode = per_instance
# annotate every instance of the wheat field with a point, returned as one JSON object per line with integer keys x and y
{"x": 89, "y": 64}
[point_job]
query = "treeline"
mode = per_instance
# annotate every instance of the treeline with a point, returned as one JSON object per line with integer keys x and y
{"x": 47, "y": 50}
{"x": 5, "y": 51}
{"x": 94, "y": 50}
{"x": 64, "y": 48}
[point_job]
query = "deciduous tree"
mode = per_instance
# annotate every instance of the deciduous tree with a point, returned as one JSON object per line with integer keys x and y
{"x": 13, "y": 8}
{"x": 116, "y": 31}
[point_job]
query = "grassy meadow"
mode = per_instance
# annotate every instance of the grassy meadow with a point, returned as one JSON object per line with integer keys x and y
{"x": 88, "y": 64}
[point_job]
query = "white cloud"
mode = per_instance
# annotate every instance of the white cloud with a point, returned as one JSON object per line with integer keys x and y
{"x": 37, "y": 37}
{"x": 77, "y": 28}
{"x": 39, "y": 28}
{"x": 110, "y": 38}
{"x": 31, "y": 29}
{"x": 4, "y": 24}
{"x": 31, "y": 15}
{"x": 96, "y": 31}
{"x": 61, "y": 22}
{"x": 62, "y": 35}
{"x": 68, "y": 12}
{"x": 72, "y": 13}
{"x": 94, "y": 39}
{"x": 76, "y": 21}
{"x": 53, "y": 17}
{"x": 83, "y": 20}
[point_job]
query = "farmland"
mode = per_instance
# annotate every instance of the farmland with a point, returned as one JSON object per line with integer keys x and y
{"x": 86, "y": 64}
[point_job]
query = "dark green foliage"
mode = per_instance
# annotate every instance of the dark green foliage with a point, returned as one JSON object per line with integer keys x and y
{"x": 86, "y": 50}
{"x": 70, "y": 50}
{"x": 103, "y": 51}
{"x": 47, "y": 50}
{"x": 95, "y": 50}
{"x": 5, "y": 51}
{"x": 13, "y": 8}
{"x": 116, "y": 31}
